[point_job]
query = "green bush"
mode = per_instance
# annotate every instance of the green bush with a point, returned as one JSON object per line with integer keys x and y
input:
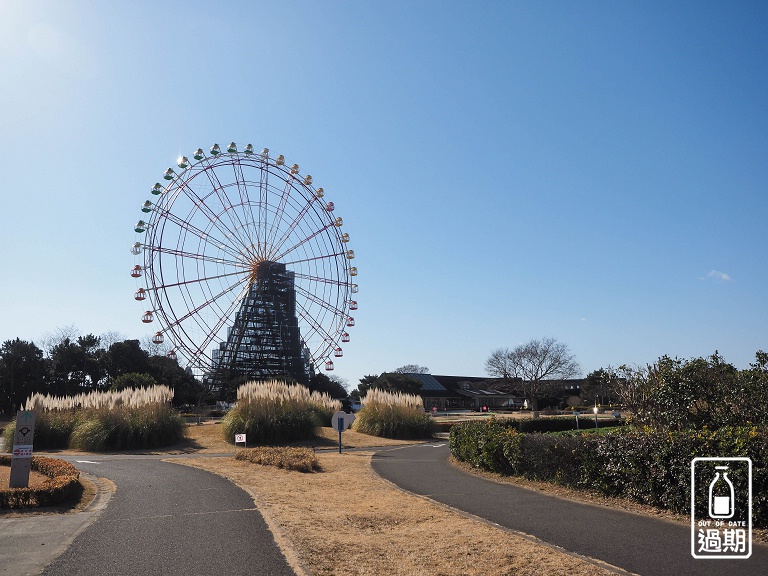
{"x": 675, "y": 394}
{"x": 647, "y": 466}
{"x": 563, "y": 424}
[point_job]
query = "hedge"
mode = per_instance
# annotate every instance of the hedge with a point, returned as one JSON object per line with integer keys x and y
{"x": 63, "y": 484}
{"x": 562, "y": 424}
{"x": 559, "y": 424}
{"x": 647, "y": 466}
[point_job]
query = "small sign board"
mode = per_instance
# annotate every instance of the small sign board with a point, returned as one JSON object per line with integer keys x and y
{"x": 340, "y": 421}
{"x": 239, "y": 438}
{"x": 25, "y": 427}
{"x": 23, "y": 451}
{"x": 21, "y": 455}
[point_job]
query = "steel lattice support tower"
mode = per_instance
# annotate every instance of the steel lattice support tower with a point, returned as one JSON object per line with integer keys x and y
{"x": 265, "y": 342}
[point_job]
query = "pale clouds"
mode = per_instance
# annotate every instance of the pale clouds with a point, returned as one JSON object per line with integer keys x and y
{"x": 717, "y": 275}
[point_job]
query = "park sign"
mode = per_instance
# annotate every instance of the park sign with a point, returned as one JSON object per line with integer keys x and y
{"x": 21, "y": 455}
{"x": 340, "y": 421}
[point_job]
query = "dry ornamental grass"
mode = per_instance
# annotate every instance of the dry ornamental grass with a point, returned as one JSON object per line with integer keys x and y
{"x": 274, "y": 412}
{"x": 99, "y": 421}
{"x": 394, "y": 415}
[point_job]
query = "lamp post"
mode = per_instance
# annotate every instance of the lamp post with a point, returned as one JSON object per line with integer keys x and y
{"x": 595, "y": 409}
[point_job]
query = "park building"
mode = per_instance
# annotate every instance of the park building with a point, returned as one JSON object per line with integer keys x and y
{"x": 476, "y": 393}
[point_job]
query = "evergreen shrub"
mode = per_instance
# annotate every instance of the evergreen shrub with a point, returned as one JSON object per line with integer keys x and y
{"x": 648, "y": 466}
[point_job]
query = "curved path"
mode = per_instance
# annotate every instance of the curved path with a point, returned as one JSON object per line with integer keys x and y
{"x": 632, "y": 542}
{"x": 171, "y": 520}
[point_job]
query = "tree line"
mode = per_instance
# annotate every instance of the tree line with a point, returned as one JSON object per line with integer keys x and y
{"x": 68, "y": 363}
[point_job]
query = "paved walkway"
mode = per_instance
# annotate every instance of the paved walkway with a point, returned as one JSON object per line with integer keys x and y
{"x": 30, "y": 541}
{"x": 632, "y": 542}
{"x": 163, "y": 519}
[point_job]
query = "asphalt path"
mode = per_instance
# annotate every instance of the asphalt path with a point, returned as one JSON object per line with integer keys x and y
{"x": 172, "y": 520}
{"x": 631, "y": 542}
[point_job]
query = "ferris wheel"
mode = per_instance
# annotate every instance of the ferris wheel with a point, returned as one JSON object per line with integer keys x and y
{"x": 210, "y": 232}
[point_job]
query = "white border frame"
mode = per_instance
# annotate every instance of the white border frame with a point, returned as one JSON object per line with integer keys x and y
{"x": 693, "y": 506}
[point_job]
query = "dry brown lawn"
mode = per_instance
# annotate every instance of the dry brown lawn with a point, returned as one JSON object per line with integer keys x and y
{"x": 346, "y": 520}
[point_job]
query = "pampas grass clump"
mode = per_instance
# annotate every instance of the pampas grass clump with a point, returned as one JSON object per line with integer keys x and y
{"x": 274, "y": 412}
{"x": 133, "y": 418}
{"x": 393, "y": 415}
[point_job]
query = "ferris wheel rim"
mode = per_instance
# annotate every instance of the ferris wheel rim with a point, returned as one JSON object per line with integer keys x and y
{"x": 246, "y": 242}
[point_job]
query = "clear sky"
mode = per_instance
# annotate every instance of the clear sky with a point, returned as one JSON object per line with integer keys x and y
{"x": 591, "y": 171}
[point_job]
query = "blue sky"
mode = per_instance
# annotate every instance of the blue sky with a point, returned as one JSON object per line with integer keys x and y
{"x": 595, "y": 172}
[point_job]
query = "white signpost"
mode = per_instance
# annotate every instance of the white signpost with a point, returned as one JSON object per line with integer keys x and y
{"x": 21, "y": 455}
{"x": 340, "y": 421}
{"x": 240, "y": 438}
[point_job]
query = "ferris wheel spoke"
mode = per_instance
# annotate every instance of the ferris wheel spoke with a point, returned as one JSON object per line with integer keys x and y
{"x": 284, "y": 238}
{"x": 324, "y": 256}
{"x": 200, "y": 280}
{"x": 301, "y": 242}
{"x": 196, "y": 256}
{"x": 320, "y": 302}
{"x": 206, "y": 303}
{"x": 222, "y": 321}
{"x": 242, "y": 189}
{"x": 315, "y": 325}
{"x": 212, "y": 217}
{"x": 311, "y": 278}
{"x": 201, "y": 234}
{"x": 263, "y": 197}
{"x": 277, "y": 219}
{"x": 221, "y": 194}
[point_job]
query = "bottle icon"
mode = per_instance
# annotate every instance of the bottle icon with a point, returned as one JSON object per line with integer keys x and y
{"x": 721, "y": 495}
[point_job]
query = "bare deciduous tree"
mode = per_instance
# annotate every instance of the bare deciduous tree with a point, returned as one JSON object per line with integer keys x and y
{"x": 542, "y": 365}
{"x": 411, "y": 369}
